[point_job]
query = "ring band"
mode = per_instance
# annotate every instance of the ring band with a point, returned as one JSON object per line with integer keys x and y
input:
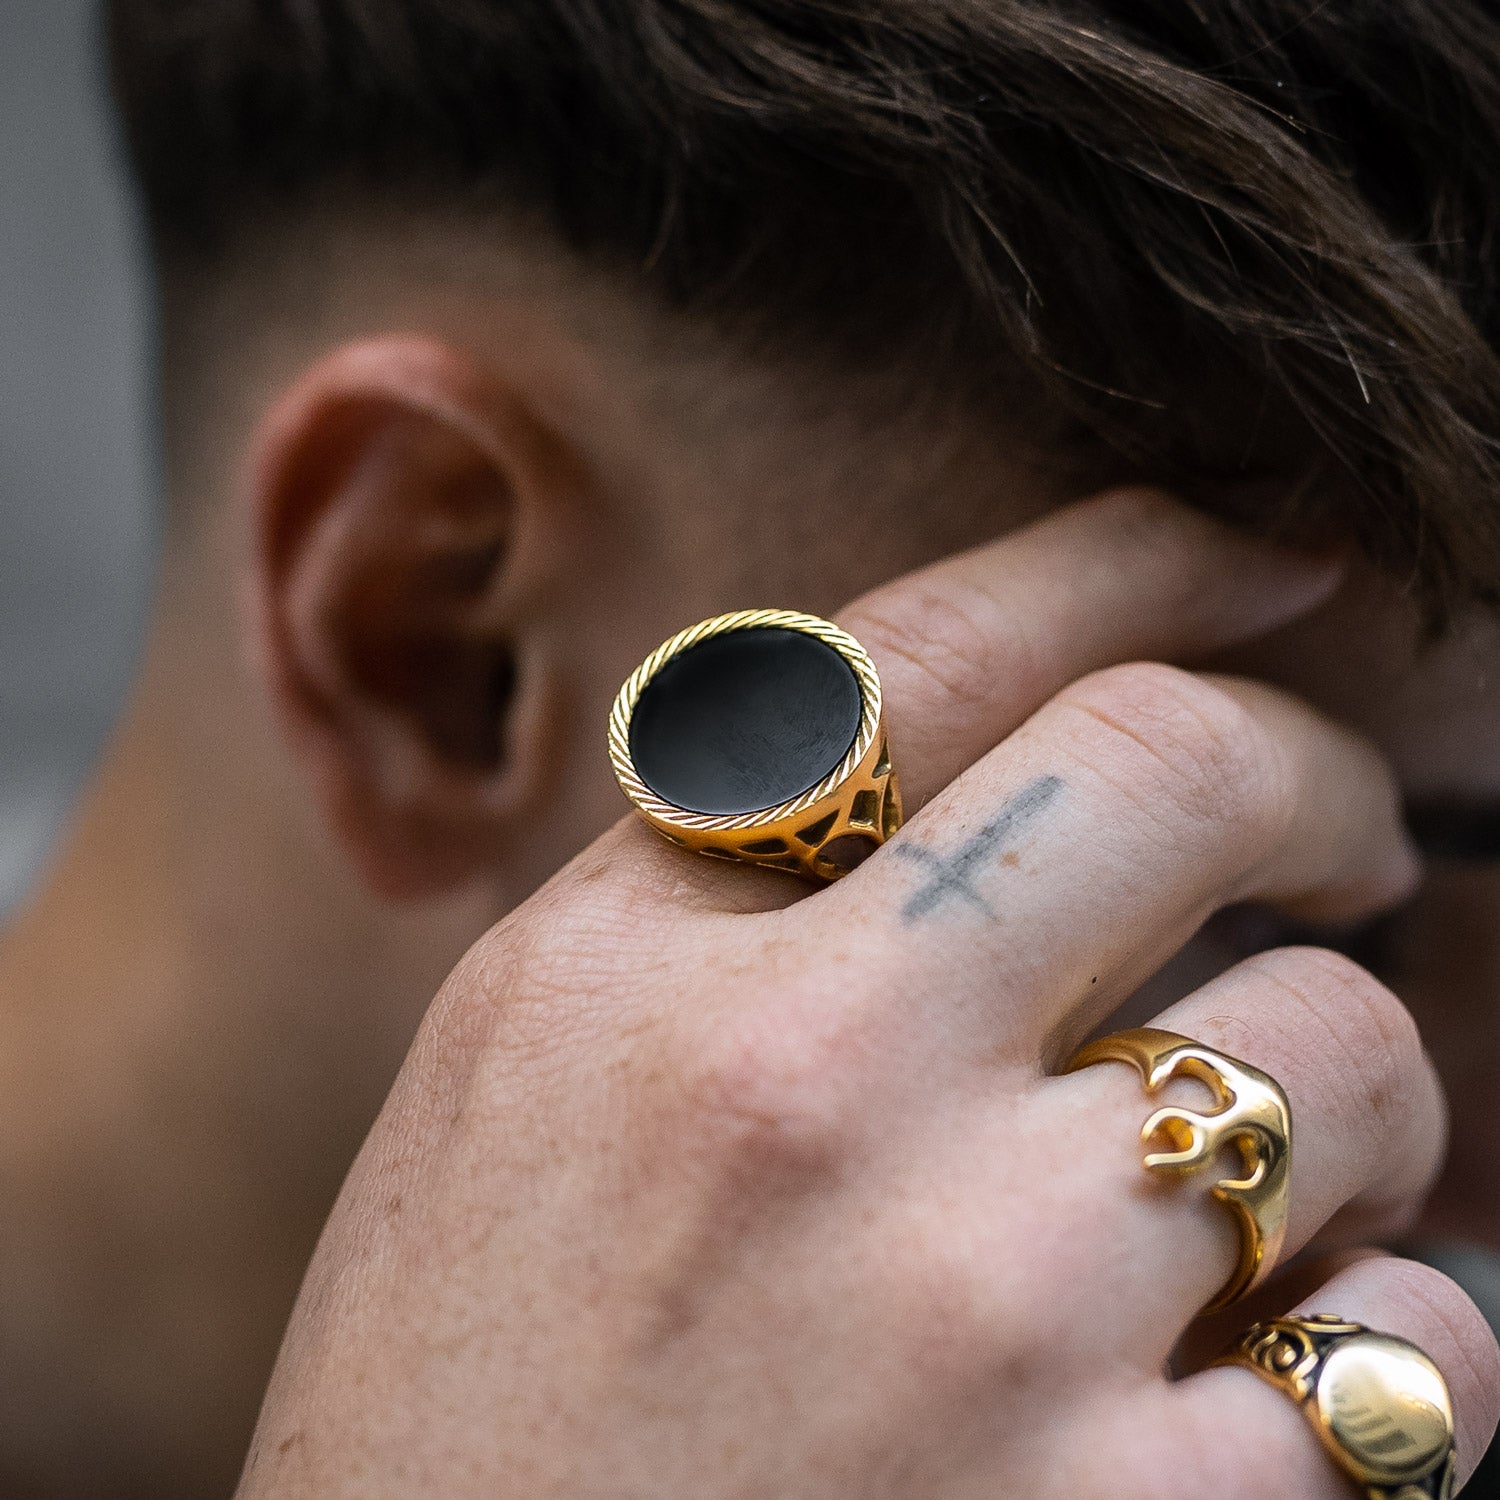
{"x": 1251, "y": 1115}
{"x": 759, "y": 736}
{"x": 1381, "y": 1408}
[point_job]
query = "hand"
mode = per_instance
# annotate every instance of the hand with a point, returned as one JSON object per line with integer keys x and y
{"x": 697, "y": 1184}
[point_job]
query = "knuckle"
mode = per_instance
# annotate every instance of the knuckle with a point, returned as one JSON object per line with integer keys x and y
{"x": 1371, "y": 1032}
{"x": 954, "y": 1337}
{"x": 956, "y": 1326}
{"x": 463, "y": 1018}
{"x": 1160, "y": 732}
{"x": 548, "y": 981}
{"x": 768, "y": 1097}
{"x": 943, "y": 631}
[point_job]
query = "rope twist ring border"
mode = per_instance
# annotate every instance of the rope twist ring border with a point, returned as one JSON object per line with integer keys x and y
{"x": 629, "y": 695}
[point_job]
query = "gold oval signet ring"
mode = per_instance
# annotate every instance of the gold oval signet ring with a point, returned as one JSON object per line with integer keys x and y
{"x": 1250, "y": 1116}
{"x": 1381, "y": 1408}
{"x": 759, "y": 736}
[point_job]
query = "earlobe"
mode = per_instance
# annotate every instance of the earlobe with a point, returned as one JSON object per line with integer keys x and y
{"x": 404, "y": 507}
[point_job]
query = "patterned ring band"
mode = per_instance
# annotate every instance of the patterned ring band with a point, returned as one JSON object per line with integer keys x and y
{"x": 1380, "y": 1407}
{"x": 759, "y": 736}
{"x": 1251, "y": 1116}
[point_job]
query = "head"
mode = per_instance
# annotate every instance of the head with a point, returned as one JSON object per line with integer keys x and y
{"x": 499, "y": 340}
{"x": 502, "y": 338}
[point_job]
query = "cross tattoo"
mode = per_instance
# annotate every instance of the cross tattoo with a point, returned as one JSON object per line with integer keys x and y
{"x": 952, "y": 876}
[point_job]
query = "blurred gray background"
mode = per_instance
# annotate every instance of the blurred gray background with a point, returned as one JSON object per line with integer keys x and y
{"x": 77, "y": 514}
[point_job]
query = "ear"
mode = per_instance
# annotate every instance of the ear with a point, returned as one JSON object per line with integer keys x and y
{"x": 408, "y": 512}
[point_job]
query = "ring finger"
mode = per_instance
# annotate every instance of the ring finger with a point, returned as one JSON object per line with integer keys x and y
{"x": 1369, "y": 1131}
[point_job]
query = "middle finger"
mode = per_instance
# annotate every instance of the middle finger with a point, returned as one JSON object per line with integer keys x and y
{"x": 1056, "y": 875}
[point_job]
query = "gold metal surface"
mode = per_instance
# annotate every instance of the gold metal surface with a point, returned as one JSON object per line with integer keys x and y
{"x": 1251, "y": 1117}
{"x": 821, "y": 834}
{"x": 1378, "y": 1404}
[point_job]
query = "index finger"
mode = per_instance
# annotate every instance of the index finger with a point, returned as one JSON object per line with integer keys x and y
{"x": 969, "y": 648}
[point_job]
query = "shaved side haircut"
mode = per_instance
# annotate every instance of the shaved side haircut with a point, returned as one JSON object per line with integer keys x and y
{"x": 1207, "y": 243}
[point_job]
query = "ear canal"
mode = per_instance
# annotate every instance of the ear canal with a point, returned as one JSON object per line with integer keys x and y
{"x": 459, "y": 698}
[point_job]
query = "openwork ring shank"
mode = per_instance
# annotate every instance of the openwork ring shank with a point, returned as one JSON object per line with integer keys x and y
{"x": 1377, "y": 1403}
{"x": 1251, "y": 1117}
{"x": 822, "y": 826}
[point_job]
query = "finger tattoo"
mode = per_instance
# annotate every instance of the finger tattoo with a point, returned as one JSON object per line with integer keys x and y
{"x": 952, "y": 877}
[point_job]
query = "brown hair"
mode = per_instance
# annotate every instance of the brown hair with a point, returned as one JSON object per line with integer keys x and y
{"x": 1168, "y": 228}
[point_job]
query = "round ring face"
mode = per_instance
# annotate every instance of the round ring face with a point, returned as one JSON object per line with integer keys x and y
{"x": 758, "y": 736}
{"x": 1385, "y": 1407}
{"x": 744, "y": 721}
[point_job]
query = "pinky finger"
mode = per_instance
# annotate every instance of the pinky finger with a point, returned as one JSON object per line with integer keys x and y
{"x": 1228, "y": 1433}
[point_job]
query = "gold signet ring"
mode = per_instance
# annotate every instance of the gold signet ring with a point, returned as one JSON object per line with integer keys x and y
{"x": 1250, "y": 1116}
{"x": 758, "y": 736}
{"x": 1379, "y": 1405}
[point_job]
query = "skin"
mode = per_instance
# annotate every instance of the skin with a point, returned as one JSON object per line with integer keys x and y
{"x": 783, "y": 1139}
{"x": 308, "y": 815}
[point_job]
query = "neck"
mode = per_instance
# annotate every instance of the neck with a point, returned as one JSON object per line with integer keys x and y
{"x": 195, "y": 1045}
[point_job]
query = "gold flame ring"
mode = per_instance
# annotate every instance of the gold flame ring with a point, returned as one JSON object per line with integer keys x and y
{"x": 1251, "y": 1116}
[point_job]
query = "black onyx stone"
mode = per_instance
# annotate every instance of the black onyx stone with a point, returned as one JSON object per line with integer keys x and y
{"x": 745, "y": 721}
